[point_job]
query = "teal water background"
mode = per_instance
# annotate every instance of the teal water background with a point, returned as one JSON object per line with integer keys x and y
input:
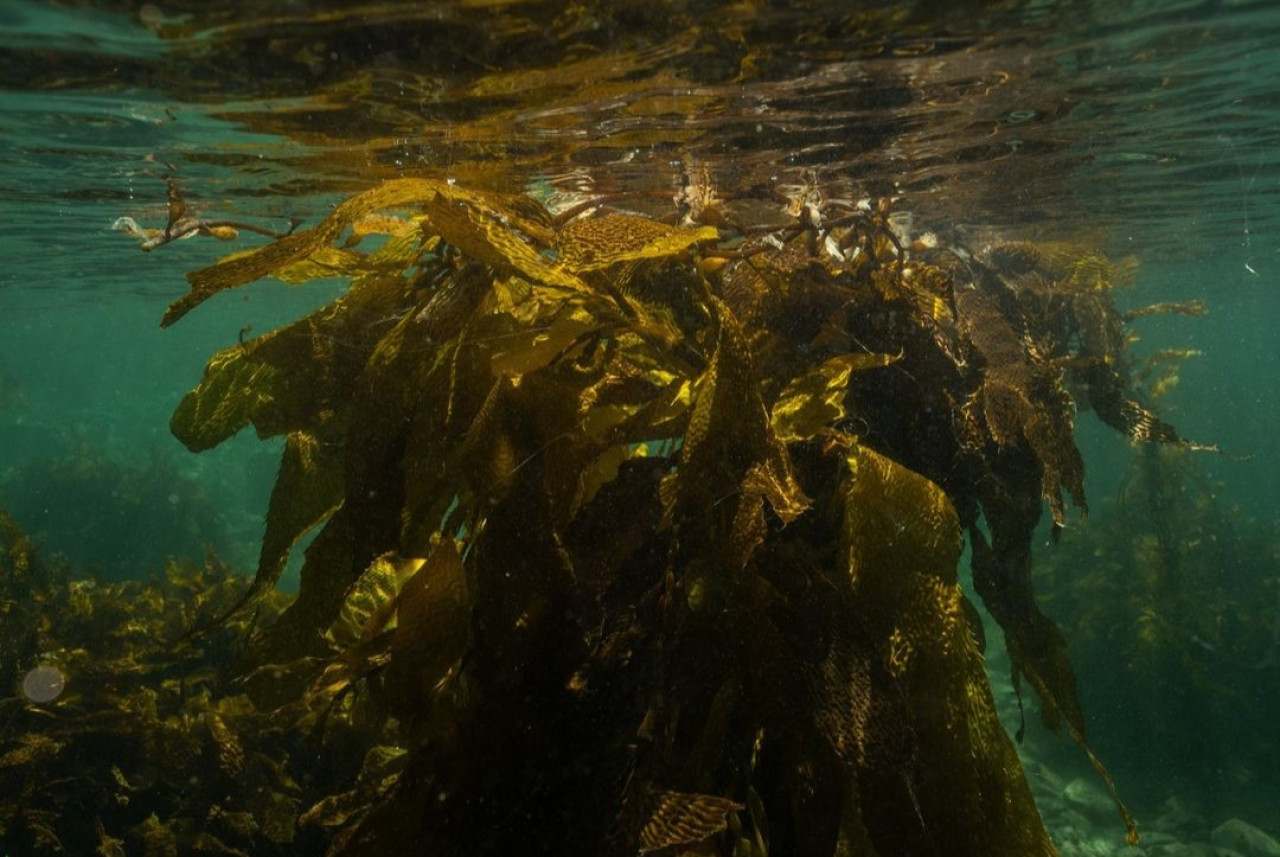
{"x": 1156, "y": 126}
{"x": 1153, "y": 128}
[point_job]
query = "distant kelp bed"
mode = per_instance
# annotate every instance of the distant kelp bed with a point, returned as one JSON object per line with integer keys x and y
{"x": 635, "y": 534}
{"x": 1173, "y": 602}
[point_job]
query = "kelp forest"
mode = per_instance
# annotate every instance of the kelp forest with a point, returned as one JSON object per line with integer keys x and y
{"x": 638, "y": 527}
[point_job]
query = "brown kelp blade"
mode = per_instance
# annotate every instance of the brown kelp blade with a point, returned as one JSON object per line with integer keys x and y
{"x": 399, "y": 193}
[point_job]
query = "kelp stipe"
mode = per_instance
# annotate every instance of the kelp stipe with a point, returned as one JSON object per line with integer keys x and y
{"x": 646, "y": 535}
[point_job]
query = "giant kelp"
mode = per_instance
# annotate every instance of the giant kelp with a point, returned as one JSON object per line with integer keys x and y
{"x": 646, "y": 534}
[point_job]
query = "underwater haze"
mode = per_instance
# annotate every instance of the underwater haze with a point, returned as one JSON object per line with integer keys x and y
{"x": 676, "y": 427}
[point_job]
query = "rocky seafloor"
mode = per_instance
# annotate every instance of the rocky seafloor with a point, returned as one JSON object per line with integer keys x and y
{"x": 1083, "y": 819}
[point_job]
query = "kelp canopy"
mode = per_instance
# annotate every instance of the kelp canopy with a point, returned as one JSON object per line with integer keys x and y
{"x": 646, "y": 535}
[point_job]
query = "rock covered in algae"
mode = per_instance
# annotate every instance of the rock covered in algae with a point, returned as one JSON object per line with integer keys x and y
{"x": 1243, "y": 838}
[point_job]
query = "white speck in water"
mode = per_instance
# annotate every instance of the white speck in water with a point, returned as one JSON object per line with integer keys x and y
{"x": 173, "y": 499}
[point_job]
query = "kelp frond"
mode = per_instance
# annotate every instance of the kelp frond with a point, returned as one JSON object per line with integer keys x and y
{"x": 648, "y": 543}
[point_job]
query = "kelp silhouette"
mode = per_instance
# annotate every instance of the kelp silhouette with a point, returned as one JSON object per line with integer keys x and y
{"x": 648, "y": 541}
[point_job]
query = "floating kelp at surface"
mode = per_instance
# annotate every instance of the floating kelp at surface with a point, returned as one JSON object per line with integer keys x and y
{"x": 182, "y": 225}
{"x": 646, "y": 534}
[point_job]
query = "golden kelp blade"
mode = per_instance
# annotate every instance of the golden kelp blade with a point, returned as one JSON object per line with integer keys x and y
{"x": 264, "y": 261}
{"x": 1070, "y": 266}
{"x": 370, "y": 605}
{"x": 729, "y": 428}
{"x": 478, "y": 233}
{"x": 815, "y": 400}
{"x": 1194, "y": 308}
{"x": 230, "y": 752}
{"x": 297, "y": 378}
{"x": 896, "y": 518}
{"x": 901, "y": 542}
{"x": 433, "y": 625}
{"x": 1107, "y": 395}
{"x": 530, "y": 351}
{"x": 379, "y": 771}
{"x": 381, "y": 224}
{"x": 1021, "y": 399}
{"x": 233, "y": 388}
{"x": 307, "y": 491}
{"x": 683, "y": 819}
{"x": 359, "y": 635}
{"x": 325, "y": 263}
{"x": 596, "y": 243}
{"x": 401, "y": 250}
{"x": 731, "y": 462}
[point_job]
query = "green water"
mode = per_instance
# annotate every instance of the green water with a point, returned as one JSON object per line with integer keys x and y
{"x": 1145, "y": 129}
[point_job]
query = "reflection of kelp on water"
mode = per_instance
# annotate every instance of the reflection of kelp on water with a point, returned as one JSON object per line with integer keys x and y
{"x": 646, "y": 536}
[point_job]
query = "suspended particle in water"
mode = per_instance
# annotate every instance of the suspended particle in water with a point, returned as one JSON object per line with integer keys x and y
{"x": 43, "y": 684}
{"x": 151, "y": 15}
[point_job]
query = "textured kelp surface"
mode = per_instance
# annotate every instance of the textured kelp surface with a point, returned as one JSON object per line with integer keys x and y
{"x": 642, "y": 536}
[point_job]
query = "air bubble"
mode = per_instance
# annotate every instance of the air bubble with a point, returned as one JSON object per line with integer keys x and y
{"x": 45, "y": 683}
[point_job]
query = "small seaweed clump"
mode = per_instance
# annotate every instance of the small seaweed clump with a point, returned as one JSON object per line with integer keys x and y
{"x": 114, "y": 741}
{"x": 644, "y": 536}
